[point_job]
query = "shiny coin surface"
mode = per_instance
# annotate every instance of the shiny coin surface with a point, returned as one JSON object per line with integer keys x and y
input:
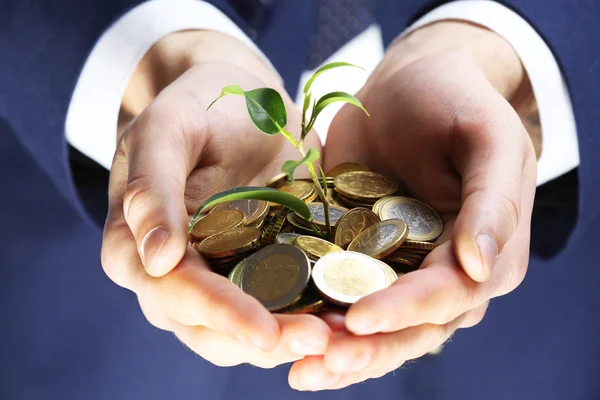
{"x": 255, "y": 211}
{"x": 287, "y": 238}
{"x": 314, "y": 247}
{"x": 277, "y": 181}
{"x": 391, "y": 274}
{"x": 300, "y": 189}
{"x": 318, "y": 212}
{"x": 424, "y": 224}
{"x": 380, "y": 239}
{"x": 217, "y": 221}
{"x": 417, "y": 245}
{"x": 235, "y": 276}
{"x": 346, "y": 167}
{"x": 276, "y": 276}
{"x": 352, "y": 223}
{"x": 298, "y": 226}
{"x": 353, "y": 203}
{"x": 310, "y": 302}
{"x": 364, "y": 185}
{"x": 229, "y": 243}
{"x": 379, "y": 203}
{"x": 345, "y": 277}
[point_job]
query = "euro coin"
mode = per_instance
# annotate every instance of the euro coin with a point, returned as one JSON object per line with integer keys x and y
{"x": 287, "y": 238}
{"x": 301, "y": 189}
{"x": 417, "y": 245}
{"x": 424, "y": 224}
{"x": 229, "y": 243}
{"x": 380, "y": 239}
{"x": 277, "y": 181}
{"x": 379, "y": 203}
{"x": 310, "y": 302}
{"x": 346, "y": 167}
{"x": 391, "y": 274}
{"x": 352, "y": 223}
{"x": 216, "y": 222}
{"x": 274, "y": 227}
{"x": 314, "y": 247}
{"x": 299, "y": 226}
{"x": 276, "y": 276}
{"x": 255, "y": 211}
{"x": 354, "y": 203}
{"x": 345, "y": 277}
{"x": 317, "y": 211}
{"x": 235, "y": 276}
{"x": 364, "y": 186}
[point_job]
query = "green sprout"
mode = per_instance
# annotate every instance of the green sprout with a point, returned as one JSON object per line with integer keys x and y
{"x": 267, "y": 112}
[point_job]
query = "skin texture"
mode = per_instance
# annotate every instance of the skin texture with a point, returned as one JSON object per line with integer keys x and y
{"x": 445, "y": 107}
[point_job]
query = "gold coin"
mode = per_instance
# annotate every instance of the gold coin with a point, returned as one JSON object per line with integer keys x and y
{"x": 310, "y": 302}
{"x": 417, "y": 245}
{"x": 317, "y": 210}
{"x": 364, "y": 185}
{"x": 312, "y": 197}
{"x": 299, "y": 226}
{"x": 352, "y": 223}
{"x": 424, "y": 224}
{"x": 379, "y": 203}
{"x": 229, "y": 243}
{"x": 405, "y": 258}
{"x": 380, "y": 239}
{"x": 276, "y": 276}
{"x": 314, "y": 247}
{"x": 216, "y": 222}
{"x": 255, "y": 211}
{"x": 391, "y": 274}
{"x": 346, "y": 167}
{"x": 300, "y": 189}
{"x": 345, "y": 277}
{"x": 353, "y": 203}
{"x": 287, "y": 238}
{"x": 277, "y": 181}
{"x": 274, "y": 228}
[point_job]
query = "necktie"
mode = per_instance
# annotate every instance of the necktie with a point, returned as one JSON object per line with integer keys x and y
{"x": 338, "y": 22}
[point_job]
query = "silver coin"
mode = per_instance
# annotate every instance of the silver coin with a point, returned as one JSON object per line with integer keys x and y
{"x": 286, "y": 238}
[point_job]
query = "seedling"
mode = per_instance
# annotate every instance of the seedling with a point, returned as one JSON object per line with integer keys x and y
{"x": 267, "y": 112}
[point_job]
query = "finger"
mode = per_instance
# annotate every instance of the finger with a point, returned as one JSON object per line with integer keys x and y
{"x": 490, "y": 150}
{"x": 334, "y": 319}
{"x": 161, "y": 146}
{"x": 301, "y": 336}
{"x": 353, "y": 359}
{"x": 192, "y": 294}
{"x": 119, "y": 255}
{"x": 437, "y": 293}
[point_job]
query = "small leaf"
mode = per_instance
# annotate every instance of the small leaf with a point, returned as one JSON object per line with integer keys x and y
{"x": 232, "y": 89}
{"x": 331, "y": 98}
{"x": 265, "y": 106}
{"x": 266, "y": 110}
{"x": 324, "y": 68}
{"x": 290, "y": 166}
{"x": 257, "y": 193}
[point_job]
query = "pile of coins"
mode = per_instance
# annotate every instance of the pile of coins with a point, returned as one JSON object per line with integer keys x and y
{"x": 276, "y": 256}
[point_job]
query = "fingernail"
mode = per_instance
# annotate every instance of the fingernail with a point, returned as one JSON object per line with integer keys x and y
{"x": 488, "y": 250}
{"x": 151, "y": 246}
{"x": 367, "y": 327}
{"x": 320, "y": 381}
{"x": 352, "y": 364}
{"x": 302, "y": 348}
{"x": 253, "y": 341}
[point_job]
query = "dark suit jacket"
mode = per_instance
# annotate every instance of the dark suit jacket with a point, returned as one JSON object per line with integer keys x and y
{"x": 70, "y": 333}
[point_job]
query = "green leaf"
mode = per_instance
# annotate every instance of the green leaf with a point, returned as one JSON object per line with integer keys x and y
{"x": 265, "y": 106}
{"x": 290, "y": 166}
{"x": 331, "y": 98}
{"x": 257, "y": 193}
{"x": 324, "y": 68}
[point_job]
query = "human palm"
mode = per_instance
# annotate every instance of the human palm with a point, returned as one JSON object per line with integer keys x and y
{"x": 441, "y": 130}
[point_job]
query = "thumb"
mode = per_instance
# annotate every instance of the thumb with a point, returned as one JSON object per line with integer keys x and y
{"x": 160, "y": 157}
{"x": 490, "y": 154}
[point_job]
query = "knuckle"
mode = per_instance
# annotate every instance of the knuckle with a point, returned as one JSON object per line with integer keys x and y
{"x": 510, "y": 209}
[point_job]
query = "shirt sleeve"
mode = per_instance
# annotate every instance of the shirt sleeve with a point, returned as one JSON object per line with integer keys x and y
{"x": 560, "y": 152}
{"x": 91, "y": 123}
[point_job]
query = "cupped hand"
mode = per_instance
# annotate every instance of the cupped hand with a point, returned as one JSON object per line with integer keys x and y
{"x": 439, "y": 127}
{"x": 173, "y": 156}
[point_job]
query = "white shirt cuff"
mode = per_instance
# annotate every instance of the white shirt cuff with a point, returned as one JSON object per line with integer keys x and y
{"x": 560, "y": 152}
{"x": 91, "y": 124}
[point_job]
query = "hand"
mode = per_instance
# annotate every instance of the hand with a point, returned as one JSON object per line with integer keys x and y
{"x": 446, "y": 133}
{"x": 170, "y": 158}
